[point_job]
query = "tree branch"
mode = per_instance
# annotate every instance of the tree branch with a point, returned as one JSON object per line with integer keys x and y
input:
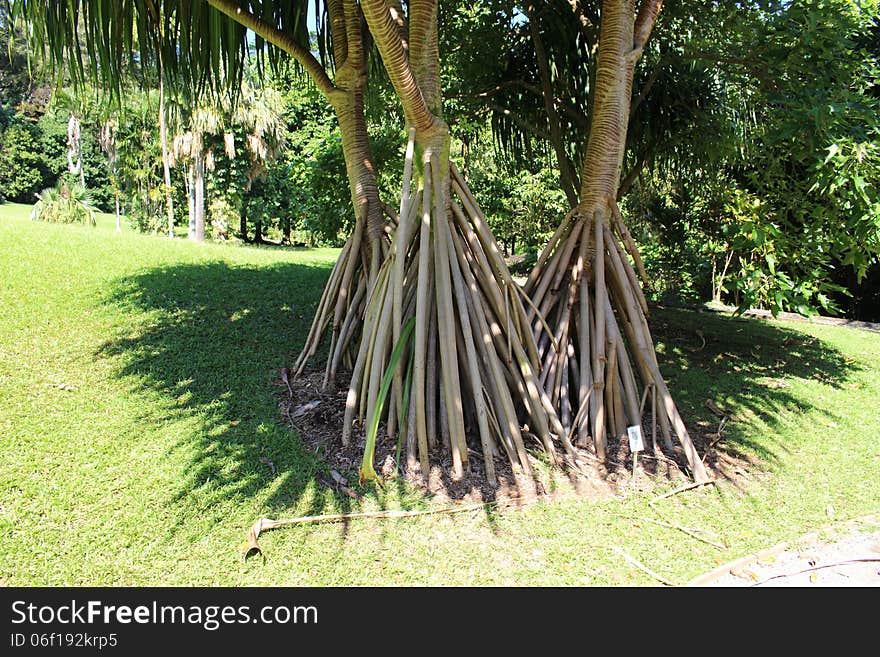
{"x": 645, "y": 21}
{"x": 278, "y": 38}
{"x": 387, "y": 36}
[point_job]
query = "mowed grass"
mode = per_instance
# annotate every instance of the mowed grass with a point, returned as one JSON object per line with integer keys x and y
{"x": 140, "y": 434}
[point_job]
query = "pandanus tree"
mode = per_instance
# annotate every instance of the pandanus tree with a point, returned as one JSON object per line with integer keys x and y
{"x": 458, "y": 349}
{"x": 256, "y": 113}
{"x": 107, "y": 140}
{"x": 594, "y": 341}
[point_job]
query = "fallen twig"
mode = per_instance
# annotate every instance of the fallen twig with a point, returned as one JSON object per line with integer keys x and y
{"x": 693, "y": 533}
{"x": 342, "y": 488}
{"x": 285, "y": 376}
{"x": 265, "y": 524}
{"x": 823, "y": 566}
{"x": 638, "y": 564}
{"x": 690, "y": 532}
{"x": 696, "y": 484}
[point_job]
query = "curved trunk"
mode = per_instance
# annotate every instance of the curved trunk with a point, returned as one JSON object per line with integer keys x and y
{"x": 607, "y": 140}
{"x": 597, "y": 353}
{"x": 470, "y": 356}
{"x": 349, "y": 107}
{"x": 359, "y": 263}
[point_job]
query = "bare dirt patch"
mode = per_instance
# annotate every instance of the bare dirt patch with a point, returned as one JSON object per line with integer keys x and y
{"x": 844, "y": 554}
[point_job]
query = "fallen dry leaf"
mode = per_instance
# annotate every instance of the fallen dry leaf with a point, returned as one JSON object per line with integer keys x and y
{"x": 305, "y": 408}
{"x": 266, "y": 461}
{"x": 745, "y": 573}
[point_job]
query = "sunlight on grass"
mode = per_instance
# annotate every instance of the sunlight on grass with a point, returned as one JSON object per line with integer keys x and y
{"x": 139, "y": 413}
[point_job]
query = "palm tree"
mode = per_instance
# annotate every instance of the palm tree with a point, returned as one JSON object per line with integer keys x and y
{"x": 77, "y": 107}
{"x": 257, "y": 113}
{"x": 189, "y": 148}
{"x": 601, "y": 320}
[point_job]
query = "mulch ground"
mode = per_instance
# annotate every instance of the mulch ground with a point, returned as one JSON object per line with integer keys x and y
{"x": 317, "y": 415}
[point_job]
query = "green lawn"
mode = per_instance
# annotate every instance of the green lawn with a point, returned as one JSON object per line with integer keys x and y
{"x": 138, "y": 414}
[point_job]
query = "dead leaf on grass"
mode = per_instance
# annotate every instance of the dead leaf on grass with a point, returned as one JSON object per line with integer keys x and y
{"x": 745, "y": 573}
{"x": 266, "y": 461}
{"x": 773, "y": 383}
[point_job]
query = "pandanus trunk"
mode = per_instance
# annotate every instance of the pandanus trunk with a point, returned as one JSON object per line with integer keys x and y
{"x": 343, "y": 301}
{"x": 469, "y": 360}
{"x": 361, "y": 258}
{"x": 589, "y": 314}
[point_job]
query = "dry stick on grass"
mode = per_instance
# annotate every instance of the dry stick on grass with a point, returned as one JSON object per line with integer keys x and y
{"x": 696, "y": 484}
{"x": 638, "y": 564}
{"x": 265, "y": 524}
{"x": 686, "y": 530}
{"x": 693, "y": 533}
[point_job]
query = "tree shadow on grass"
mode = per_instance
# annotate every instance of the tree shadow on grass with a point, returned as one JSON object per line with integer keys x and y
{"x": 206, "y": 344}
{"x": 748, "y": 369}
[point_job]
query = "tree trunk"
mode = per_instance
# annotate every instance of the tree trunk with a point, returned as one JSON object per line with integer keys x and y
{"x": 365, "y": 249}
{"x": 584, "y": 283}
{"x": 190, "y": 201}
{"x": 74, "y": 148}
{"x": 349, "y": 107}
{"x": 199, "y": 196}
{"x": 242, "y": 226}
{"x": 444, "y": 284}
{"x": 163, "y": 138}
{"x": 118, "y": 217}
{"x": 359, "y": 263}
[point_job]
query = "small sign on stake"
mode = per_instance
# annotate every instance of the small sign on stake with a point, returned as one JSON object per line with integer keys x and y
{"x": 636, "y": 444}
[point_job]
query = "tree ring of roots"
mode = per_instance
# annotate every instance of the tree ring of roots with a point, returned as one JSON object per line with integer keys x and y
{"x": 317, "y": 415}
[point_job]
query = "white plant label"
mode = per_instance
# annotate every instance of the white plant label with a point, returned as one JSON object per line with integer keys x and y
{"x": 636, "y": 444}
